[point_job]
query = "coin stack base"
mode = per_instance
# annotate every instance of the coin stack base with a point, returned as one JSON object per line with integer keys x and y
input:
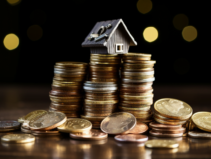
{"x": 136, "y": 92}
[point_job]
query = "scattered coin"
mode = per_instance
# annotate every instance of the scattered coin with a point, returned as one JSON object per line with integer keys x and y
{"x": 161, "y": 144}
{"x": 9, "y": 125}
{"x": 93, "y": 134}
{"x": 118, "y": 123}
{"x": 131, "y": 138}
{"x": 138, "y": 129}
{"x": 18, "y": 138}
{"x": 75, "y": 125}
{"x": 195, "y": 134}
{"x": 48, "y": 121}
{"x": 202, "y": 120}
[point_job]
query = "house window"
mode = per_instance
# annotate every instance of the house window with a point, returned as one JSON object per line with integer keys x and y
{"x": 119, "y": 47}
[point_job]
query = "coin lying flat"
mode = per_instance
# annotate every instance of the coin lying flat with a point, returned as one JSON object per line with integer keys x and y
{"x": 168, "y": 122}
{"x": 48, "y": 121}
{"x": 195, "y": 134}
{"x": 161, "y": 144}
{"x": 75, "y": 125}
{"x": 165, "y": 134}
{"x": 46, "y": 133}
{"x": 170, "y": 131}
{"x": 173, "y": 108}
{"x": 164, "y": 126}
{"x": 9, "y": 124}
{"x": 91, "y": 135}
{"x": 138, "y": 129}
{"x": 202, "y": 120}
{"x": 118, "y": 123}
{"x": 18, "y": 138}
{"x": 131, "y": 138}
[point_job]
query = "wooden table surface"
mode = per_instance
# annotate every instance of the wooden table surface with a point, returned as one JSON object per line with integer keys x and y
{"x": 16, "y": 101}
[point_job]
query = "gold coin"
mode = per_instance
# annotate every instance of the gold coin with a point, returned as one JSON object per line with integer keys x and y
{"x": 157, "y": 115}
{"x": 137, "y": 77}
{"x": 138, "y": 109}
{"x": 48, "y": 121}
{"x": 75, "y": 125}
{"x": 137, "y": 70}
{"x": 103, "y": 80}
{"x": 137, "y": 66}
{"x": 173, "y": 108}
{"x": 134, "y": 105}
{"x": 100, "y": 102}
{"x": 106, "y": 63}
{"x": 96, "y": 114}
{"x": 168, "y": 122}
{"x": 71, "y": 64}
{"x": 191, "y": 125}
{"x": 196, "y": 134}
{"x": 140, "y": 102}
{"x": 90, "y": 118}
{"x": 127, "y": 97}
{"x": 136, "y": 58}
{"x": 118, "y": 123}
{"x": 140, "y": 62}
{"x": 18, "y": 138}
{"x": 136, "y": 54}
{"x": 202, "y": 120}
{"x": 21, "y": 119}
{"x": 161, "y": 144}
{"x": 30, "y": 116}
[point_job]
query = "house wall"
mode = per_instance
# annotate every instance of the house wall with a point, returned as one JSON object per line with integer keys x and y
{"x": 119, "y": 36}
{"x": 99, "y": 50}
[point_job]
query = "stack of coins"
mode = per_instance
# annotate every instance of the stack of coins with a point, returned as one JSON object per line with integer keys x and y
{"x": 137, "y": 77}
{"x": 172, "y": 111}
{"x": 67, "y": 88}
{"x": 101, "y": 100}
{"x": 104, "y": 68}
{"x": 164, "y": 130}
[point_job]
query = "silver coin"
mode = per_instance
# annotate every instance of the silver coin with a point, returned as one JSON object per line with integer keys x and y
{"x": 195, "y": 134}
{"x": 138, "y": 81}
{"x": 101, "y": 88}
{"x": 131, "y": 138}
{"x": 9, "y": 124}
{"x": 100, "y": 85}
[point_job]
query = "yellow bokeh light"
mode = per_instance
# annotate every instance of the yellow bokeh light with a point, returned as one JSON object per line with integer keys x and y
{"x": 180, "y": 21}
{"x": 189, "y": 33}
{"x": 13, "y": 2}
{"x": 11, "y": 41}
{"x": 34, "y": 32}
{"x": 150, "y": 34}
{"x": 144, "y": 6}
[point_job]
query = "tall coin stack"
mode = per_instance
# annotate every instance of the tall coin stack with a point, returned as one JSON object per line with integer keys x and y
{"x": 137, "y": 77}
{"x": 67, "y": 88}
{"x": 101, "y": 91}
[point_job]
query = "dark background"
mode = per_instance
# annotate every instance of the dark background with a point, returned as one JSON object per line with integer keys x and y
{"x": 65, "y": 24}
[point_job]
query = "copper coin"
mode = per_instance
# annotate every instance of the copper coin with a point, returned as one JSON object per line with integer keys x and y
{"x": 96, "y": 114}
{"x": 101, "y": 94}
{"x": 92, "y": 135}
{"x": 66, "y": 107}
{"x": 103, "y": 80}
{"x": 98, "y": 111}
{"x": 137, "y": 94}
{"x": 169, "y": 122}
{"x": 134, "y": 91}
{"x": 138, "y": 129}
{"x": 90, "y": 118}
{"x": 137, "y": 70}
{"x": 131, "y": 138}
{"x": 160, "y": 134}
{"x": 141, "y": 102}
{"x": 165, "y": 118}
{"x": 64, "y": 94}
{"x": 72, "y": 115}
{"x": 164, "y": 126}
{"x": 133, "y": 105}
{"x": 64, "y": 111}
{"x": 172, "y": 131}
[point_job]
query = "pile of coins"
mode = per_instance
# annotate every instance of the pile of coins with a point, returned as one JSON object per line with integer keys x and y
{"x": 137, "y": 76}
{"x": 162, "y": 130}
{"x": 101, "y": 100}
{"x": 171, "y": 112}
{"x": 67, "y": 88}
{"x": 104, "y": 68}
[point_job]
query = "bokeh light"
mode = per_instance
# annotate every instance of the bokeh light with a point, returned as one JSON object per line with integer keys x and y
{"x": 38, "y": 17}
{"x": 180, "y": 21}
{"x": 189, "y": 33}
{"x": 34, "y": 32}
{"x": 13, "y": 2}
{"x": 144, "y": 6}
{"x": 11, "y": 41}
{"x": 181, "y": 66}
{"x": 150, "y": 34}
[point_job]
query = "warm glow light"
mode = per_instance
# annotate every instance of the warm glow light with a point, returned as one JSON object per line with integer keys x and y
{"x": 144, "y": 6}
{"x": 189, "y": 33}
{"x": 150, "y": 34}
{"x": 181, "y": 66}
{"x": 34, "y": 32}
{"x": 180, "y": 21}
{"x": 13, "y": 2}
{"x": 11, "y": 41}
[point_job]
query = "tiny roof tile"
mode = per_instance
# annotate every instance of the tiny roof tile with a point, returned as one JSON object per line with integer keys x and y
{"x": 102, "y": 42}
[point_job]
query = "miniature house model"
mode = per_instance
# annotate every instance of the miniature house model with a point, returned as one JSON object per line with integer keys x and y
{"x": 109, "y": 37}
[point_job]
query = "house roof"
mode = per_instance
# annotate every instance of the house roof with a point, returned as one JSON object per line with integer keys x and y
{"x": 103, "y": 42}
